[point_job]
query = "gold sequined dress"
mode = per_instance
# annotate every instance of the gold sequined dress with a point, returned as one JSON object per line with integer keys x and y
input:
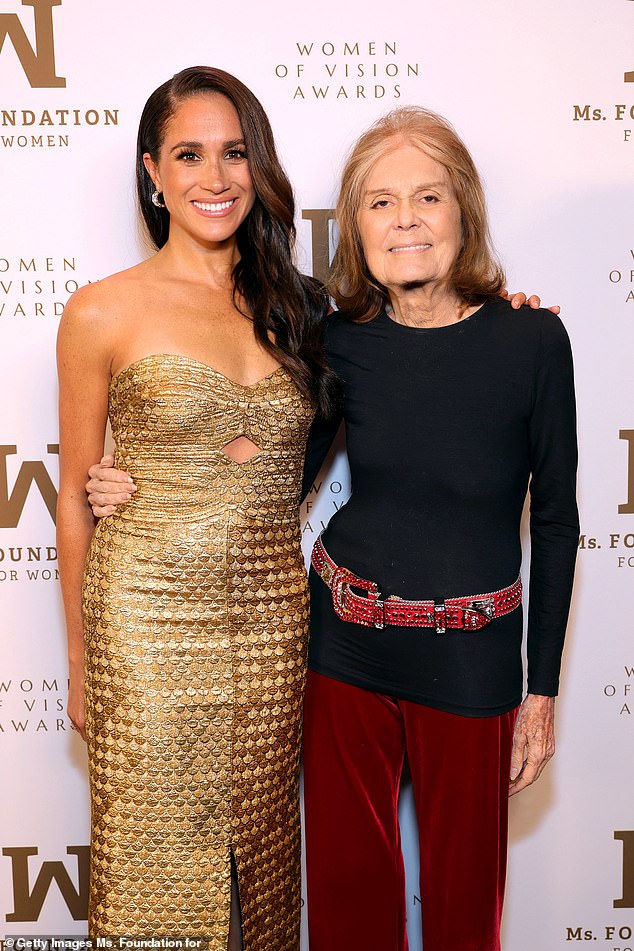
{"x": 195, "y": 612}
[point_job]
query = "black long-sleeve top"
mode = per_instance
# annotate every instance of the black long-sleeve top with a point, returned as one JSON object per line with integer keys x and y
{"x": 444, "y": 429}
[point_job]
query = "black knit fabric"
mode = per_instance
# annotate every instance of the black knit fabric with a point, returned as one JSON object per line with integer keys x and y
{"x": 445, "y": 428}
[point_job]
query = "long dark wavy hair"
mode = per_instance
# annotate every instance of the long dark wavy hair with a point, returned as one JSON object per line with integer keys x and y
{"x": 277, "y": 297}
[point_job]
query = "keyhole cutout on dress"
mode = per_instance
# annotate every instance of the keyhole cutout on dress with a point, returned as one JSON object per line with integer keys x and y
{"x": 241, "y": 449}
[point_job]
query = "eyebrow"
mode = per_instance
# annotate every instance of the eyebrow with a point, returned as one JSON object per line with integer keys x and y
{"x": 418, "y": 188}
{"x": 231, "y": 144}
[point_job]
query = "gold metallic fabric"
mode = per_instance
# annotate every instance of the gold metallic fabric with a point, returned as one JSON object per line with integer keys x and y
{"x": 196, "y": 611}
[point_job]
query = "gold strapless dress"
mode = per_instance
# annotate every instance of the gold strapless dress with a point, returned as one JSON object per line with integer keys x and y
{"x": 196, "y": 611}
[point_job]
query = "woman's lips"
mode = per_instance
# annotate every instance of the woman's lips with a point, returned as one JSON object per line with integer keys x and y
{"x": 410, "y": 247}
{"x": 215, "y": 208}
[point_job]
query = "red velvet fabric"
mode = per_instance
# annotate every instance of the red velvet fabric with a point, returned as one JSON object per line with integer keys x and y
{"x": 355, "y": 743}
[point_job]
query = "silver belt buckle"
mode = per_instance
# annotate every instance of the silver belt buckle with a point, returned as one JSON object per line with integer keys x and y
{"x": 327, "y": 572}
{"x": 484, "y": 606}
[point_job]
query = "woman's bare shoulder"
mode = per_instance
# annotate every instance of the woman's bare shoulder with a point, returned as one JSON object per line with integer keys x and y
{"x": 108, "y": 299}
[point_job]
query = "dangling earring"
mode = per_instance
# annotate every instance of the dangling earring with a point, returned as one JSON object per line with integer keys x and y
{"x": 157, "y": 199}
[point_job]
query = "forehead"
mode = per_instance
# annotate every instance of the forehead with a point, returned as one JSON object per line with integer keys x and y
{"x": 204, "y": 116}
{"x": 401, "y": 163}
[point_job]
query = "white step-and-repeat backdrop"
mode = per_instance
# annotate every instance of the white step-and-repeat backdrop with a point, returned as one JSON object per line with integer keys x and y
{"x": 543, "y": 93}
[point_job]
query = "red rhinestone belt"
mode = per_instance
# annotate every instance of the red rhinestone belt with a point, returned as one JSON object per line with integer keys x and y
{"x": 470, "y": 613}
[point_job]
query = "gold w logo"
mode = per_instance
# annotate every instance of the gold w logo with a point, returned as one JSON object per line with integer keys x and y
{"x": 627, "y": 901}
{"x": 629, "y": 77}
{"x": 39, "y": 66}
{"x": 628, "y": 434}
{"x": 11, "y": 505}
{"x": 27, "y": 902}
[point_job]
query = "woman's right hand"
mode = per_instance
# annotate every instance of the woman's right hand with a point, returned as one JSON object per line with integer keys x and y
{"x": 76, "y": 705}
{"x": 108, "y": 487}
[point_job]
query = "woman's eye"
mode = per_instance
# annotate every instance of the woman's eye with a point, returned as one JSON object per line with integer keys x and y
{"x": 236, "y": 155}
{"x": 429, "y": 199}
{"x": 188, "y": 156}
{"x": 381, "y": 203}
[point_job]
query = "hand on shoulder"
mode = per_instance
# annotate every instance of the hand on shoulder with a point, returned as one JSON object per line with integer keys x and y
{"x": 518, "y": 299}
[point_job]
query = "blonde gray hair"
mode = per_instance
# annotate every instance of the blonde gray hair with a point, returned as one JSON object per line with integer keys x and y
{"x": 477, "y": 273}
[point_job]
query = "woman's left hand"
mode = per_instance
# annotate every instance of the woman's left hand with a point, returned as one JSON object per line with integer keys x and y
{"x": 533, "y": 740}
{"x": 518, "y": 299}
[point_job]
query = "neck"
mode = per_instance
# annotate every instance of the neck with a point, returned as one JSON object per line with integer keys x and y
{"x": 209, "y": 264}
{"x": 426, "y": 306}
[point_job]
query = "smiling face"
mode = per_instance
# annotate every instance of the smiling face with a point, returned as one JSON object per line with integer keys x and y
{"x": 203, "y": 170}
{"x": 409, "y": 220}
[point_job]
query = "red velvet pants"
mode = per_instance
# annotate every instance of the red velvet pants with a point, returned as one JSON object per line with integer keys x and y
{"x": 355, "y": 742}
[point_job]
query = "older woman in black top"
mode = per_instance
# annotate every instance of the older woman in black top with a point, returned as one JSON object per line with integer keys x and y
{"x": 452, "y": 403}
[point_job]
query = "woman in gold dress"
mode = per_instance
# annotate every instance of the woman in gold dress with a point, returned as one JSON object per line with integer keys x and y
{"x": 187, "y": 611}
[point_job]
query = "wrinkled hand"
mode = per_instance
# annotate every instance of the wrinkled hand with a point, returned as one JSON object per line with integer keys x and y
{"x": 518, "y": 299}
{"x": 533, "y": 741}
{"x": 76, "y": 707}
{"x": 108, "y": 487}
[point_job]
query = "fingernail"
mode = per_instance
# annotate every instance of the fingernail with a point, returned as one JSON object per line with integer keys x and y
{"x": 514, "y": 773}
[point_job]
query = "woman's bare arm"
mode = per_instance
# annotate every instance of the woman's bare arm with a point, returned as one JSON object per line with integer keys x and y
{"x": 83, "y": 358}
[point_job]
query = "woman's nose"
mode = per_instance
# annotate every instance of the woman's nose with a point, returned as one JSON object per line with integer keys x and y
{"x": 406, "y": 216}
{"x": 215, "y": 178}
